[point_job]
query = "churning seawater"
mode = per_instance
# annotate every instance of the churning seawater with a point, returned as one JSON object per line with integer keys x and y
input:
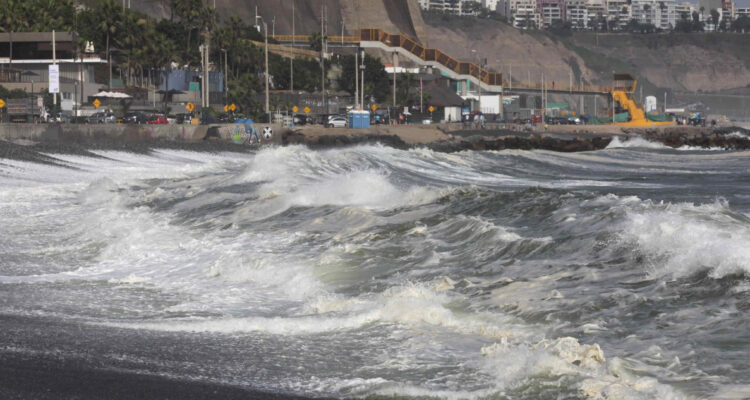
{"x": 368, "y": 271}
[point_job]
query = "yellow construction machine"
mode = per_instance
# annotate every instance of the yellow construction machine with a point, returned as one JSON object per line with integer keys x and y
{"x": 622, "y": 94}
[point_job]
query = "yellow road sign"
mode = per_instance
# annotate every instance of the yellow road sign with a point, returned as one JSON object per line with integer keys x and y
{"x": 226, "y": 108}
{"x": 431, "y": 109}
{"x": 190, "y": 107}
{"x": 295, "y": 109}
{"x": 374, "y": 107}
{"x": 307, "y": 110}
{"x": 97, "y": 103}
{"x": 233, "y": 107}
{"x": 2, "y": 103}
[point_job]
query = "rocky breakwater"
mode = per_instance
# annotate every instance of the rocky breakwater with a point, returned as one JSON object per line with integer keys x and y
{"x": 450, "y": 138}
{"x": 729, "y": 137}
{"x": 453, "y": 138}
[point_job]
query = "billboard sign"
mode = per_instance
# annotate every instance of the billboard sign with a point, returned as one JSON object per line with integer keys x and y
{"x": 54, "y": 78}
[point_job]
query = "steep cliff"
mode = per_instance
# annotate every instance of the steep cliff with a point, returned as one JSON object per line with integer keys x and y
{"x": 676, "y": 62}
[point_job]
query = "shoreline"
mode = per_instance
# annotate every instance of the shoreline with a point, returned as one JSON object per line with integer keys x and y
{"x": 30, "y": 142}
{"x": 47, "y": 358}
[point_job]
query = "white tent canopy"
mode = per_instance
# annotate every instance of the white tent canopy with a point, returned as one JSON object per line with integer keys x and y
{"x": 113, "y": 95}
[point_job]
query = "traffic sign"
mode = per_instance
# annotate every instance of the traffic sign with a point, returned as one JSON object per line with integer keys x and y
{"x": 295, "y": 109}
{"x": 226, "y": 108}
{"x": 374, "y": 107}
{"x": 307, "y": 110}
{"x": 2, "y": 103}
{"x": 190, "y": 106}
{"x": 97, "y": 103}
{"x": 431, "y": 109}
{"x": 232, "y": 107}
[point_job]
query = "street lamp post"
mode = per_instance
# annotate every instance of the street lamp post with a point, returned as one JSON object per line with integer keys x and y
{"x": 75, "y": 101}
{"x": 356, "y": 79}
{"x": 226, "y": 77}
{"x": 395, "y": 61}
{"x": 362, "y": 87}
{"x": 268, "y": 107}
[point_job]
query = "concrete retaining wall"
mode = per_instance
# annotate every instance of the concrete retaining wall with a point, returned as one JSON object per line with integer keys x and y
{"x": 86, "y": 132}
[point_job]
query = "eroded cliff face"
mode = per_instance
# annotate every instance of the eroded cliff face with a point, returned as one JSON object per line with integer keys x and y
{"x": 392, "y": 15}
{"x": 681, "y": 62}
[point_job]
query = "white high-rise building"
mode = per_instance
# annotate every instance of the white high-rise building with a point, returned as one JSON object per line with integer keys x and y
{"x": 578, "y": 14}
{"x": 684, "y": 9}
{"x": 521, "y": 13}
{"x": 660, "y": 13}
{"x": 619, "y": 13}
{"x": 490, "y": 4}
{"x": 458, "y": 7}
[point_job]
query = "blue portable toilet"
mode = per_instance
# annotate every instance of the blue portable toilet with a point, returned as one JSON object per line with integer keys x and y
{"x": 359, "y": 119}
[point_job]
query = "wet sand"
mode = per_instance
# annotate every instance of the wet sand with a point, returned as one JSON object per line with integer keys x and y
{"x": 43, "y": 358}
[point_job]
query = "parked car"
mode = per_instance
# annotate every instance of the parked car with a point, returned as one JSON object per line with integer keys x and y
{"x": 336, "y": 122}
{"x": 135, "y": 117}
{"x": 302, "y": 119}
{"x": 102, "y": 117}
{"x": 158, "y": 119}
{"x": 183, "y": 118}
{"x": 171, "y": 119}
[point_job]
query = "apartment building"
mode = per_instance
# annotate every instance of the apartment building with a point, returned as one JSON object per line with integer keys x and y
{"x": 490, "y": 4}
{"x": 684, "y": 9}
{"x": 742, "y": 12}
{"x": 660, "y": 13}
{"x": 458, "y": 7}
{"x": 521, "y": 13}
{"x": 597, "y": 11}
{"x": 619, "y": 13}
{"x": 578, "y": 14}
{"x": 551, "y": 11}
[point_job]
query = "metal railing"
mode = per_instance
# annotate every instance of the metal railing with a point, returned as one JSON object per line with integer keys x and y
{"x": 431, "y": 55}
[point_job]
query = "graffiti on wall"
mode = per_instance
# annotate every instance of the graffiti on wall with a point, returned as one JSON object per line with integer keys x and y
{"x": 240, "y": 134}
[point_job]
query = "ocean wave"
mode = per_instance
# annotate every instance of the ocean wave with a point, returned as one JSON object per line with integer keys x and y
{"x": 681, "y": 239}
{"x": 641, "y": 143}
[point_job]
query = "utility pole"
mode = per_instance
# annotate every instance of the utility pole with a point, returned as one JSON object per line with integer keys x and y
{"x": 207, "y": 52}
{"x": 226, "y": 78}
{"x": 481, "y": 67}
{"x": 322, "y": 56}
{"x": 395, "y": 62}
{"x": 356, "y": 78}
{"x": 362, "y": 86}
{"x": 544, "y": 100}
{"x": 268, "y": 105}
{"x": 582, "y": 111}
{"x": 291, "y": 59}
{"x": 54, "y": 62}
{"x": 421, "y": 93}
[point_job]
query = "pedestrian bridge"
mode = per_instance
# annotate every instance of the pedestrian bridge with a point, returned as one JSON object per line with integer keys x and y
{"x": 411, "y": 49}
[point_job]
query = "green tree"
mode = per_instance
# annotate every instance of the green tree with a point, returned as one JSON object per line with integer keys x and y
{"x": 377, "y": 83}
{"x": 715, "y": 19}
{"x": 315, "y": 41}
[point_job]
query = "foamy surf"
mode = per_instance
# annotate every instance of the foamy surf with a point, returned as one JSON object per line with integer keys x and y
{"x": 369, "y": 271}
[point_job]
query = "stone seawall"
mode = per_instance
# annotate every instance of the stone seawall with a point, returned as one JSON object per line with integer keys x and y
{"x": 444, "y": 138}
{"x": 86, "y": 133}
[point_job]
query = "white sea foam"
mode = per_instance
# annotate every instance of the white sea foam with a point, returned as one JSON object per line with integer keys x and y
{"x": 635, "y": 142}
{"x": 681, "y": 239}
{"x": 639, "y": 142}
